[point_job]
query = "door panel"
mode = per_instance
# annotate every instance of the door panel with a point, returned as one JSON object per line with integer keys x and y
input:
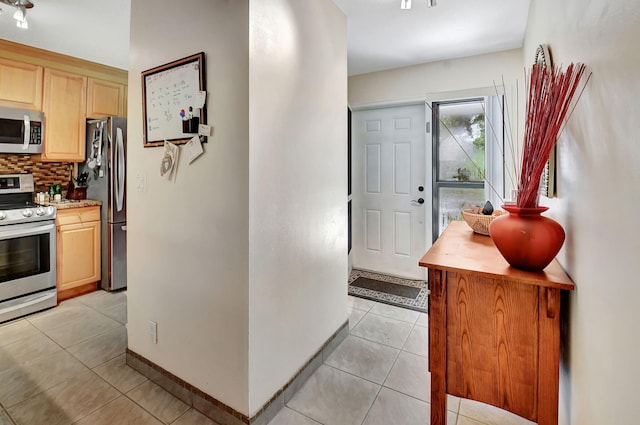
{"x": 373, "y": 168}
{"x": 402, "y": 232}
{"x": 402, "y": 168}
{"x": 388, "y": 167}
{"x": 373, "y": 230}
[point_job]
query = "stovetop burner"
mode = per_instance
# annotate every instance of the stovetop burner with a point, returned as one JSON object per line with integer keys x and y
{"x": 17, "y": 205}
{"x": 16, "y": 201}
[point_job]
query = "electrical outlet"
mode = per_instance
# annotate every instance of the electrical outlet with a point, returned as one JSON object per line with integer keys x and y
{"x": 153, "y": 332}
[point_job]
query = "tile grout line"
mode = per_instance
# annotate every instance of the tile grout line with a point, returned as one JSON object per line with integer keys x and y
{"x": 395, "y": 318}
{"x": 300, "y": 413}
{"x": 142, "y": 407}
{"x": 81, "y": 341}
{"x": 400, "y": 350}
{"x": 43, "y": 333}
{"x": 397, "y": 355}
{"x": 7, "y": 414}
{"x": 151, "y": 413}
{"x": 381, "y": 343}
{"x": 381, "y": 385}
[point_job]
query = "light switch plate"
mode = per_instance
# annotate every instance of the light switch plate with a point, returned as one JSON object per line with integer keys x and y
{"x": 153, "y": 332}
{"x": 141, "y": 182}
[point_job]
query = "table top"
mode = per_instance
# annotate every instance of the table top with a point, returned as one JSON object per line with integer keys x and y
{"x": 461, "y": 249}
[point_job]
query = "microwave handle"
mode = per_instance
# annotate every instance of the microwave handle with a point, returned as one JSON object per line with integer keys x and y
{"x": 27, "y": 132}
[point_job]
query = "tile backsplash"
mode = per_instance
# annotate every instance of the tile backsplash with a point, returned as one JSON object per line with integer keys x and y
{"x": 44, "y": 173}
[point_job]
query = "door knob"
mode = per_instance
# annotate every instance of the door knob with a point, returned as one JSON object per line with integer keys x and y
{"x": 419, "y": 201}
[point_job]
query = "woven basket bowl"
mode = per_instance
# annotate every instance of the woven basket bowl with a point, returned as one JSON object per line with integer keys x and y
{"x": 479, "y": 223}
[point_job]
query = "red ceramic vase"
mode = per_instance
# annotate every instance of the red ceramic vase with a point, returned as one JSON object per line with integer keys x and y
{"x": 525, "y": 238}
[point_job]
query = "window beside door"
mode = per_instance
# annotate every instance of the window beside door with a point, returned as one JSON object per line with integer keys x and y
{"x": 467, "y": 134}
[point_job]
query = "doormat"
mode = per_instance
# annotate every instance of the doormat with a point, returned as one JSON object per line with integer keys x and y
{"x": 406, "y": 293}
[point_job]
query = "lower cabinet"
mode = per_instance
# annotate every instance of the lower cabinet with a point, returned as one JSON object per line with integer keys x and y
{"x": 78, "y": 251}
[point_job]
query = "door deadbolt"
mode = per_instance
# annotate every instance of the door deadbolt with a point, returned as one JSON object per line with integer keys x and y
{"x": 420, "y": 188}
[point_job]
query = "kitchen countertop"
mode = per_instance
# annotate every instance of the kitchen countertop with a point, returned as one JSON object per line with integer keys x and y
{"x": 71, "y": 203}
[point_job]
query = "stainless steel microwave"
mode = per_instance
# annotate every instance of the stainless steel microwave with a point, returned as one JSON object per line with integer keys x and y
{"x": 21, "y": 131}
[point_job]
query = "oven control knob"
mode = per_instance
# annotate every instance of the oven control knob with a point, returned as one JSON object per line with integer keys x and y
{"x": 39, "y": 211}
{"x": 3, "y": 215}
{"x": 27, "y": 213}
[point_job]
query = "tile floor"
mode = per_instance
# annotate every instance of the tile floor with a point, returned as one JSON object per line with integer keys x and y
{"x": 67, "y": 366}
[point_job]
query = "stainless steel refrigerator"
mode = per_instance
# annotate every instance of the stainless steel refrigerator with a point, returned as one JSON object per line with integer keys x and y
{"x": 106, "y": 165}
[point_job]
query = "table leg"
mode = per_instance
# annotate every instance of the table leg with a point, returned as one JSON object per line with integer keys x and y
{"x": 438, "y": 345}
{"x": 549, "y": 357}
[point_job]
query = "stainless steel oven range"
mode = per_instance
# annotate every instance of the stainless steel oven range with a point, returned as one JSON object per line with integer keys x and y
{"x": 27, "y": 249}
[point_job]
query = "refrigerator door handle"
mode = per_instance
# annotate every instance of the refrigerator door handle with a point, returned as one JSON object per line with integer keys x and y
{"x": 120, "y": 169}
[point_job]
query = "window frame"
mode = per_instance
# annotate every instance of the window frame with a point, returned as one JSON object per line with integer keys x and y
{"x": 435, "y": 168}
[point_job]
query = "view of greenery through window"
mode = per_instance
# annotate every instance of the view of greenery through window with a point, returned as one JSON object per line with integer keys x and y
{"x": 462, "y": 147}
{"x": 461, "y": 159}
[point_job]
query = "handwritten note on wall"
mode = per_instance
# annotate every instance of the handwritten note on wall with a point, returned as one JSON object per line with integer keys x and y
{"x": 168, "y": 90}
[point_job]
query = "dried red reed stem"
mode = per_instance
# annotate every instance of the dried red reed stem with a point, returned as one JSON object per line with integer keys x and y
{"x": 550, "y": 97}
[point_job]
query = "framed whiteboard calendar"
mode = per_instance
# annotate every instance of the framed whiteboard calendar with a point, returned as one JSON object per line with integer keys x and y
{"x": 169, "y": 100}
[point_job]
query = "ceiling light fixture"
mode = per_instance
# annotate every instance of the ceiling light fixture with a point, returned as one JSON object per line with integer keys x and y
{"x": 405, "y": 4}
{"x": 21, "y": 18}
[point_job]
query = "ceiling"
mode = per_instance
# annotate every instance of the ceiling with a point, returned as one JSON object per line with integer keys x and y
{"x": 381, "y": 35}
{"x": 94, "y": 30}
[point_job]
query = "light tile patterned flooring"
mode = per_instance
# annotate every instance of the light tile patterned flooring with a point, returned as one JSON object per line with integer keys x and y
{"x": 67, "y": 366}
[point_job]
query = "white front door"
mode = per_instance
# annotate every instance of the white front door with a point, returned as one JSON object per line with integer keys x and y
{"x": 388, "y": 172}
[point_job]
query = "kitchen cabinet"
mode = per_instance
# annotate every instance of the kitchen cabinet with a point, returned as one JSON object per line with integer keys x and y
{"x": 65, "y": 111}
{"x": 66, "y": 89}
{"x": 105, "y": 98}
{"x": 20, "y": 85}
{"x": 78, "y": 251}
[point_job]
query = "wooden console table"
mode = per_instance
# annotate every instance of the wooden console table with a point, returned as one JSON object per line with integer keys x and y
{"x": 494, "y": 331}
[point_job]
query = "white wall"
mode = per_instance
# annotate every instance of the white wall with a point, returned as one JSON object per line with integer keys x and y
{"x": 298, "y": 187}
{"x": 598, "y": 202}
{"x": 415, "y": 82}
{"x": 188, "y": 239}
{"x": 242, "y": 260}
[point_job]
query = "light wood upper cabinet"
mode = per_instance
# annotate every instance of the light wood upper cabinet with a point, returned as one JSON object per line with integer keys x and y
{"x": 105, "y": 98}
{"x": 78, "y": 248}
{"x": 20, "y": 85}
{"x": 65, "y": 112}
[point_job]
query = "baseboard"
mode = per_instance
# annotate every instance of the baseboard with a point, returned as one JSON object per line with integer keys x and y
{"x": 77, "y": 291}
{"x": 217, "y": 410}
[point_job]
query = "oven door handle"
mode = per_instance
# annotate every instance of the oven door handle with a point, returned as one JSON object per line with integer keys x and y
{"x": 30, "y": 231}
